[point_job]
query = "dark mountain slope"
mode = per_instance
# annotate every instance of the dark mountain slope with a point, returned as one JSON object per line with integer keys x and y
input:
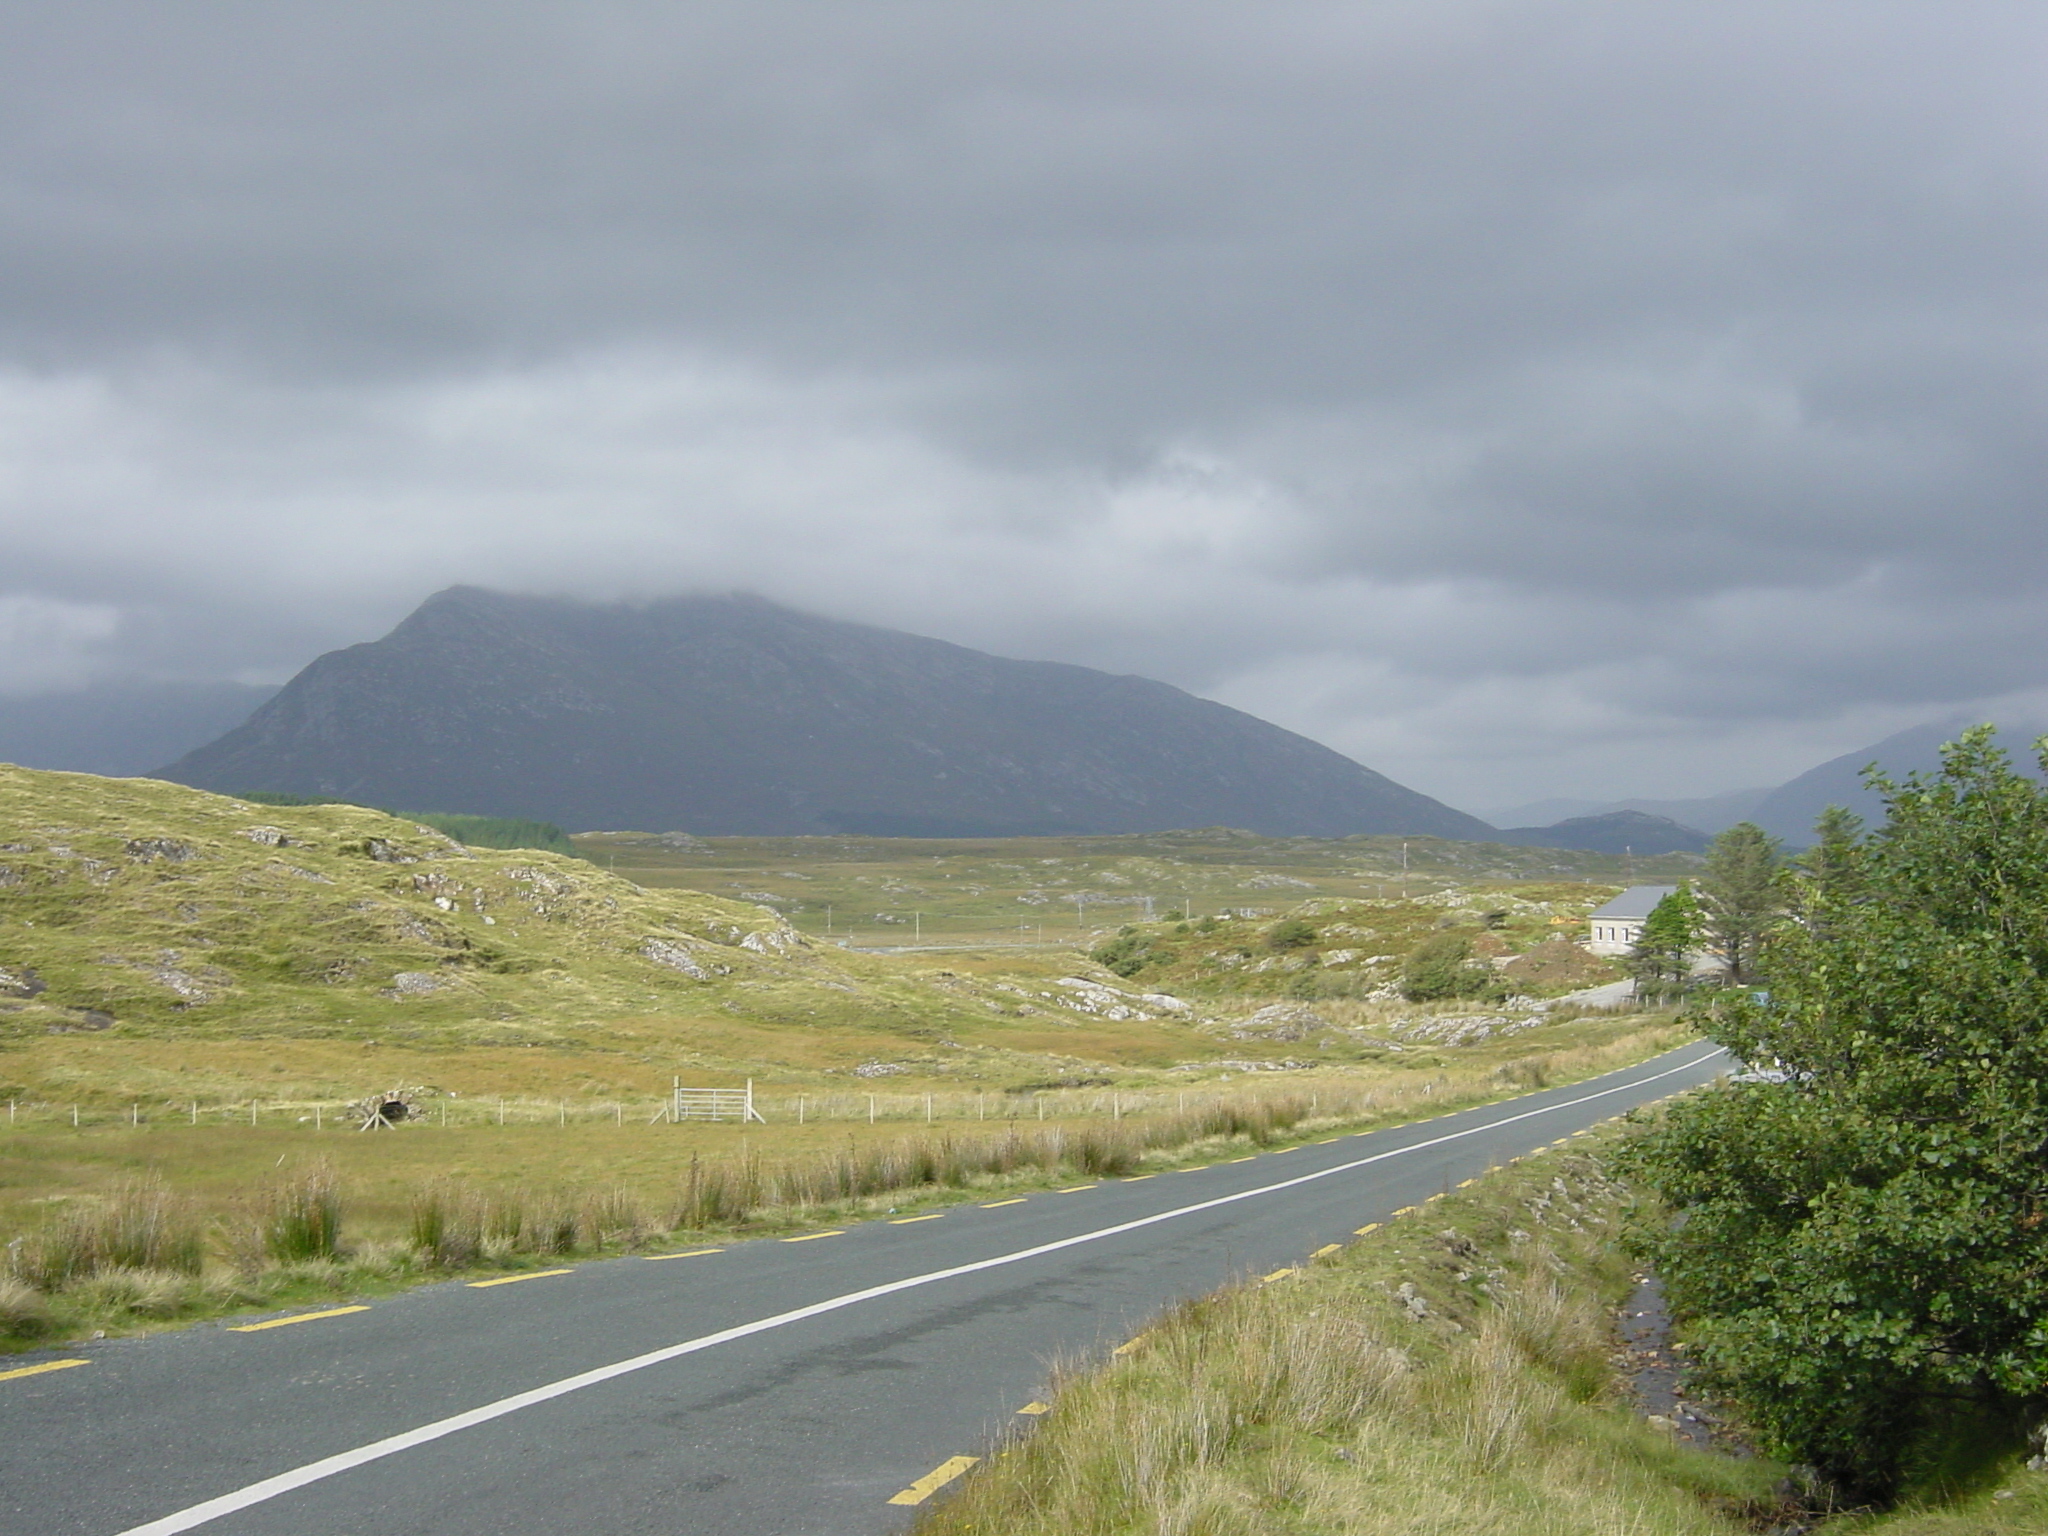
{"x": 1789, "y": 811}
{"x": 732, "y": 715}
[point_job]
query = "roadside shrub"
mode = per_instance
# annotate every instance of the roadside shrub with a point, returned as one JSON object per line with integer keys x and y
{"x": 1863, "y": 1237}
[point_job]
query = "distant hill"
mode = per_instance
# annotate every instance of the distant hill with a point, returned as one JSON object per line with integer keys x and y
{"x": 1709, "y": 813}
{"x": 1790, "y": 809}
{"x": 1616, "y": 832}
{"x": 121, "y": 729}
{"x": 731, "y": 715}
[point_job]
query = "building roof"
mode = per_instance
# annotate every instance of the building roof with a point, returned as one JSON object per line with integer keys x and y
{"x": 1634, "y": 903}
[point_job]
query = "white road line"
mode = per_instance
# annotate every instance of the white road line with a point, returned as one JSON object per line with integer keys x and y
{"x": 330, "y": 1466}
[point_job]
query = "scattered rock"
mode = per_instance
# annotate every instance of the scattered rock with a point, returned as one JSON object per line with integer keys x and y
{"x": 1281, "y": 1021}
{"x": 386, "y": 852}
{"x": 1416, "y": 1303}
{"x": 269, "y": 837}
{"x": 414, "y": 984}
{"x": 145, "y": 850}
{"x": 880, "y": 1069}
{"x": 675, "y": 956}
{"x": 21, "y": 981}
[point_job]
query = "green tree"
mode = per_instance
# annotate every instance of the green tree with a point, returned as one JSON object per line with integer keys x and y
{"x": 1661, "y": 961}
{"x": 1740, "y": 901}
{"x": 1864, "y": 1242}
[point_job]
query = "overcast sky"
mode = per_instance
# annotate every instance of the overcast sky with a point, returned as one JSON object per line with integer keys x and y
{"x": 1526, "y": 399}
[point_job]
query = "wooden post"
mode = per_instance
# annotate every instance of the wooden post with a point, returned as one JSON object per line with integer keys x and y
{"x": 871, "y": 1109}
{"x": 316, "y": 1116}
{"x": 927, "y": 1109}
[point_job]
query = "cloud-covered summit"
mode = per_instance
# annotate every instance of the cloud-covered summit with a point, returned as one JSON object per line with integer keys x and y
{"x": 1525, "y": 398}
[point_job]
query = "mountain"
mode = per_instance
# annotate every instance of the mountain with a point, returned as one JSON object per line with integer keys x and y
{"x": 731, "y": 715}
{"x": 1616, "y": 832}
{"x": 121, "y": 729}
{"x": 1711, "y": 813}
{"x": 1790, "y": 809}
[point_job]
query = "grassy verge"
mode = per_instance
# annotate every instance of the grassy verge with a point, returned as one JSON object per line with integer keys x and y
{"x": 1450, "y": 1373}
{"x": 172, "y": 1241}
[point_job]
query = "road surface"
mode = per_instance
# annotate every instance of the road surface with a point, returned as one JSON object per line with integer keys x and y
{"x": 816, "y": 1385}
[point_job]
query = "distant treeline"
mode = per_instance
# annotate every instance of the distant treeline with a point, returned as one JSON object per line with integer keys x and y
{"x": 473, "y": 831}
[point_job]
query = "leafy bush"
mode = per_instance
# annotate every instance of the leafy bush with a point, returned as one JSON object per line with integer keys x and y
{"x": 1440, "y": 969}
{"x": 1290, "y": 933}
{"x": 1866, "y": 1231}
{"x": 1126, "y": 954}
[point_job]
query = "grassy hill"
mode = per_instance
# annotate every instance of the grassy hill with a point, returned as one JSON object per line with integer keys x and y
{"x": 157, "y": 944}
{"x": 186, "y": 929}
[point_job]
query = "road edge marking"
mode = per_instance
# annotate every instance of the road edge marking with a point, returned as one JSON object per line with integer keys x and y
{"x": 38, "y": 1370}
{"x": 538, "y": 1274}
{"x": 302, "y": 1317}
{"x": 934, "y": 1480}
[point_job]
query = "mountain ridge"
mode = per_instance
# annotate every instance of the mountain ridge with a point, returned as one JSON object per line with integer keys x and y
{"x": 732, "y": 715}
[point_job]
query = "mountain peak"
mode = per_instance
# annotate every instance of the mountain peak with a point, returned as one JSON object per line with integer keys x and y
{"x": 728, "y": 713}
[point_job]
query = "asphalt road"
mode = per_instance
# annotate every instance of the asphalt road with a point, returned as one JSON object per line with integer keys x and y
{"x": 775, "y": 1387}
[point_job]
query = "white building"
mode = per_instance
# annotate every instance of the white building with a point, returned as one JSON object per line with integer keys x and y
{"x": 1617, "y": 926}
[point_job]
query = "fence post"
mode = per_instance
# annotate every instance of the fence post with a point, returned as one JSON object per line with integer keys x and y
{"x": 562, "y": 1112}
{"x": 871, "y": 1110}
{"x": 195, "y": 1111}
{"x": 799, "y": 1109}
{"x": 316, "y": 1115}
{"x": 252, "y": 1111}
{"x": 135, "y": 1114}
{"x": 927, "y": 1109}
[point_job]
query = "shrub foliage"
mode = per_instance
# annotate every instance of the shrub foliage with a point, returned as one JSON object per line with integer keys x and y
{"x": 1864, "y": 1237}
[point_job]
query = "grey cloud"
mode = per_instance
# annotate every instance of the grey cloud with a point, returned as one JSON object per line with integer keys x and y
{"x": 1666, "y": 377}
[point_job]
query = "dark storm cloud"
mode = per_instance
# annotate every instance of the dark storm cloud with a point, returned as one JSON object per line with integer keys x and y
{"x": 1524, "y": 397}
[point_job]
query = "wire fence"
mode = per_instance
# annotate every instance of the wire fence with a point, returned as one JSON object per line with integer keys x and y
{"x": 650, "y": 1112}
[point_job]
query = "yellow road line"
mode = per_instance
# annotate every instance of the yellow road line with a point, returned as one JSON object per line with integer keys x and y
{"x": 812, "y": 1237}
{"x": 1075, "y": 1189}
{"x": 1367, "y": 1230}
{"x": 1327, "y": 1249}
{"x": 1252, "y": 1158}
{"x": 1278, "y": 1150}
{"x": 1407, "y": 1210}
{"x": 1131, "y": 1343}
{"x": 904, "y": 1221}
{"x": 303, "y": 1317}
{"x": 37, "y": 1370}
{"x": 694, "y": 1253}
{"x": 538, "y": 1274}
{"x": 1278, "y": 1274}
{"x": 1034, "y": 1409}
{"x": 1139, "y": 1178}
{"x": 1466, "y": 1183}
{"x": 934, "y": 1480}
{"x": 997, "y": 1205}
